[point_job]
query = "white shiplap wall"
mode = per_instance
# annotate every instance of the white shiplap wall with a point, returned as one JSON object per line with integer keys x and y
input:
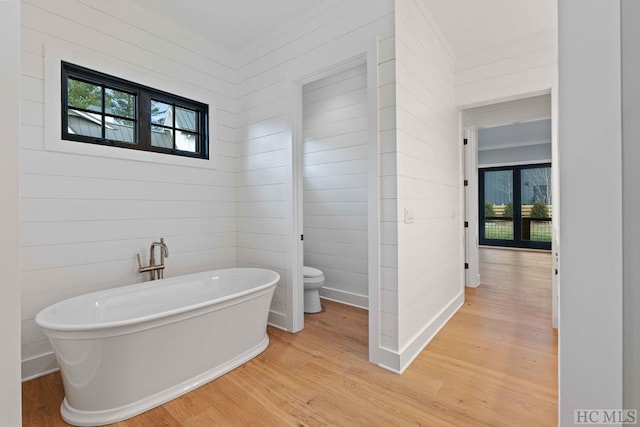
{"x": 84, "y": 217}
{"x": 428, "y": 180}
{"x": 335, "y": 144}
{"x": 521, "y": 67}
{"x": 388, "y": 299}
{"x": 334, "y": 32}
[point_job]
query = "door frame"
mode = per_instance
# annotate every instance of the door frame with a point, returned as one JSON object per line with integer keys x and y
{"x": 470, "y": 127}
{"x": 471, "y": 219}
{"x": 295, "y": 292}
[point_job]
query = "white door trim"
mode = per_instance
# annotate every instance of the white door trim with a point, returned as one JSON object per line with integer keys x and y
{"x": 295, "y": 293}
{"x": 472, "y": 274}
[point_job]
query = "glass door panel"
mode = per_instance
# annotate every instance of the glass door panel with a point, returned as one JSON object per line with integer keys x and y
{"x": 535, "y": 207}
{"x": 498, "y": 205}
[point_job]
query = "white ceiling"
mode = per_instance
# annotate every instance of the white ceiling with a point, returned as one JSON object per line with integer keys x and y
{"x": 472, "y": 25}
{"x": 468, "y": 25}
{"x": 229, "y": 23}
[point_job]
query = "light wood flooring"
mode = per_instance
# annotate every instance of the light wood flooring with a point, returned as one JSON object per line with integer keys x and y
{"x": 494, "y": 363}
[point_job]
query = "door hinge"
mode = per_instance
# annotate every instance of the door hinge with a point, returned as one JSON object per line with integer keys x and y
{"x": 466, "y": 224}
{"x": 465, "y": 142}
{"x": 302, "y": 237}
{"x": 466, "y": 265}
{"x": 466, "y": 182}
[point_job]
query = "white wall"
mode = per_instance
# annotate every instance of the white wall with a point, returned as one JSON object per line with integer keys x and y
{"x": 85, "y": 217}
{"x": 504, "y": 113}
{"x": 10, "y": 396}
{"x": 428, "y": 179}
{"x": 517, "y": 143}
{"x": 506, "y": 72}
{"x": 591, "y": 294}
{"x": 631, "y": 199}
{"x": 329, "y": 35}
{"x": 335, "y": 185}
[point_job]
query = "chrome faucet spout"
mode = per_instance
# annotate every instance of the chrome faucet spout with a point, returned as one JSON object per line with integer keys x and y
{"x": 156, "y": 271}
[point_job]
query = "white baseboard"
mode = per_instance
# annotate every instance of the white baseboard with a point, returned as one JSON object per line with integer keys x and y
{"x": 277, "y": 320}
{"x": 399, "y": 361}
{"x": 343, "y": 297}
{"x": 474, "y": 282}
{"x": 38, "y": 366}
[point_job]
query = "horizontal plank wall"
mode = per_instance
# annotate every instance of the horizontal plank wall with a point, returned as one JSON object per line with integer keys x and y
{"x": 334, "y": 168}
{"x": 388, "y": 299}
{"x": 333, "y": 32}
{"x": 84, "y": 218}
{"x": 428, "y": 182}
{"x": 9, "y": 216}
{"x": 501, "y": 73}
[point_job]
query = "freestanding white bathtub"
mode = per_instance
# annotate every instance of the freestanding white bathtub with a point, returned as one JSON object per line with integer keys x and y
{"x": 125, "y": 350}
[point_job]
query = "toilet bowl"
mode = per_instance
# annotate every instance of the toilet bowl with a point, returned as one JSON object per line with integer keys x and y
{"x": 313, "y": 281}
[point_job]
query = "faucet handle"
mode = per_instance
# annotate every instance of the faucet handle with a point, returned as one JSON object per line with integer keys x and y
{"x": 139, "y": 262}
{"x": 164, "y": 247}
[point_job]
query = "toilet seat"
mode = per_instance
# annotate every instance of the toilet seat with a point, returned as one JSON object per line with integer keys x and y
{"x": 313, "y": 281}
{"x": 311, "y": 272}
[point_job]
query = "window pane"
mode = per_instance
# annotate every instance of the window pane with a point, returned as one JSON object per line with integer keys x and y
{"x": 119, "y": 103}
{"x": 122, "y": 130}
{"x": 498, "y": 205}
{"x": 82, "y": 123}
{"x": 161, "y": 137}
{"x": 186, "y": 119}
{"x": 187, "y": 141}
{"x": 161, "y": 113}
{"x": 536, "y": 204}
{"x": 84, "y": 95}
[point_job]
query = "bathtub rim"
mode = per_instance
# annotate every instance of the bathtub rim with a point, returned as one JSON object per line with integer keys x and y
{"x": 54, "y": 329}
{"x": 132, "y": 328}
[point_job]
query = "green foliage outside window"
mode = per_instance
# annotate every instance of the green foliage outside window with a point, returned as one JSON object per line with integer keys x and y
{"x": 488, "y": 209}
{"x": 539, "y": 210}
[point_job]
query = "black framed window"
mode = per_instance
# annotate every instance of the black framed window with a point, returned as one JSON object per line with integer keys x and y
{"x": 98, "y": 108}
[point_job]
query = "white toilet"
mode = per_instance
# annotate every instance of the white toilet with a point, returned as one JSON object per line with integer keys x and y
{"x": 313, "y": 281}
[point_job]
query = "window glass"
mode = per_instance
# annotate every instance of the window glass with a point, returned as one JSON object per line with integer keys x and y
{"x": 186, "y": 119}
{"x": 119, "y": 103}
{"x": 84, "y": 96}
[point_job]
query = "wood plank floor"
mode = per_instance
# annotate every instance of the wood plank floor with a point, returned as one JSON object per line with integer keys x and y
{"x": 494, "y": 363}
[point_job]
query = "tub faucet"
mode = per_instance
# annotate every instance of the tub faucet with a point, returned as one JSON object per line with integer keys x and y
{"x": 156, "y": 271}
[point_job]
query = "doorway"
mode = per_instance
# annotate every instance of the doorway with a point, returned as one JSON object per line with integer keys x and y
{"x": 334, "y": 171}
{"x": 515, "y": 206}
{"x": 366, "y": 297}
{"x": 502, "y": 134}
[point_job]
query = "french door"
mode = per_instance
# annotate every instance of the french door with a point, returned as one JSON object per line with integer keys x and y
{"x": 515, "y": 206}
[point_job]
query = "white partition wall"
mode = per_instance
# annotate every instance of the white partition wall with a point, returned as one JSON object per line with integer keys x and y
{"x": 427, "y": 180}
{"x": 591, "y": 293}
{"x": 631, "y": 199}
{"x": 9, "y": 243}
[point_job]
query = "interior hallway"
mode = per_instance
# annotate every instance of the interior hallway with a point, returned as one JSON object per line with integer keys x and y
{"x": 494, "y": 363}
